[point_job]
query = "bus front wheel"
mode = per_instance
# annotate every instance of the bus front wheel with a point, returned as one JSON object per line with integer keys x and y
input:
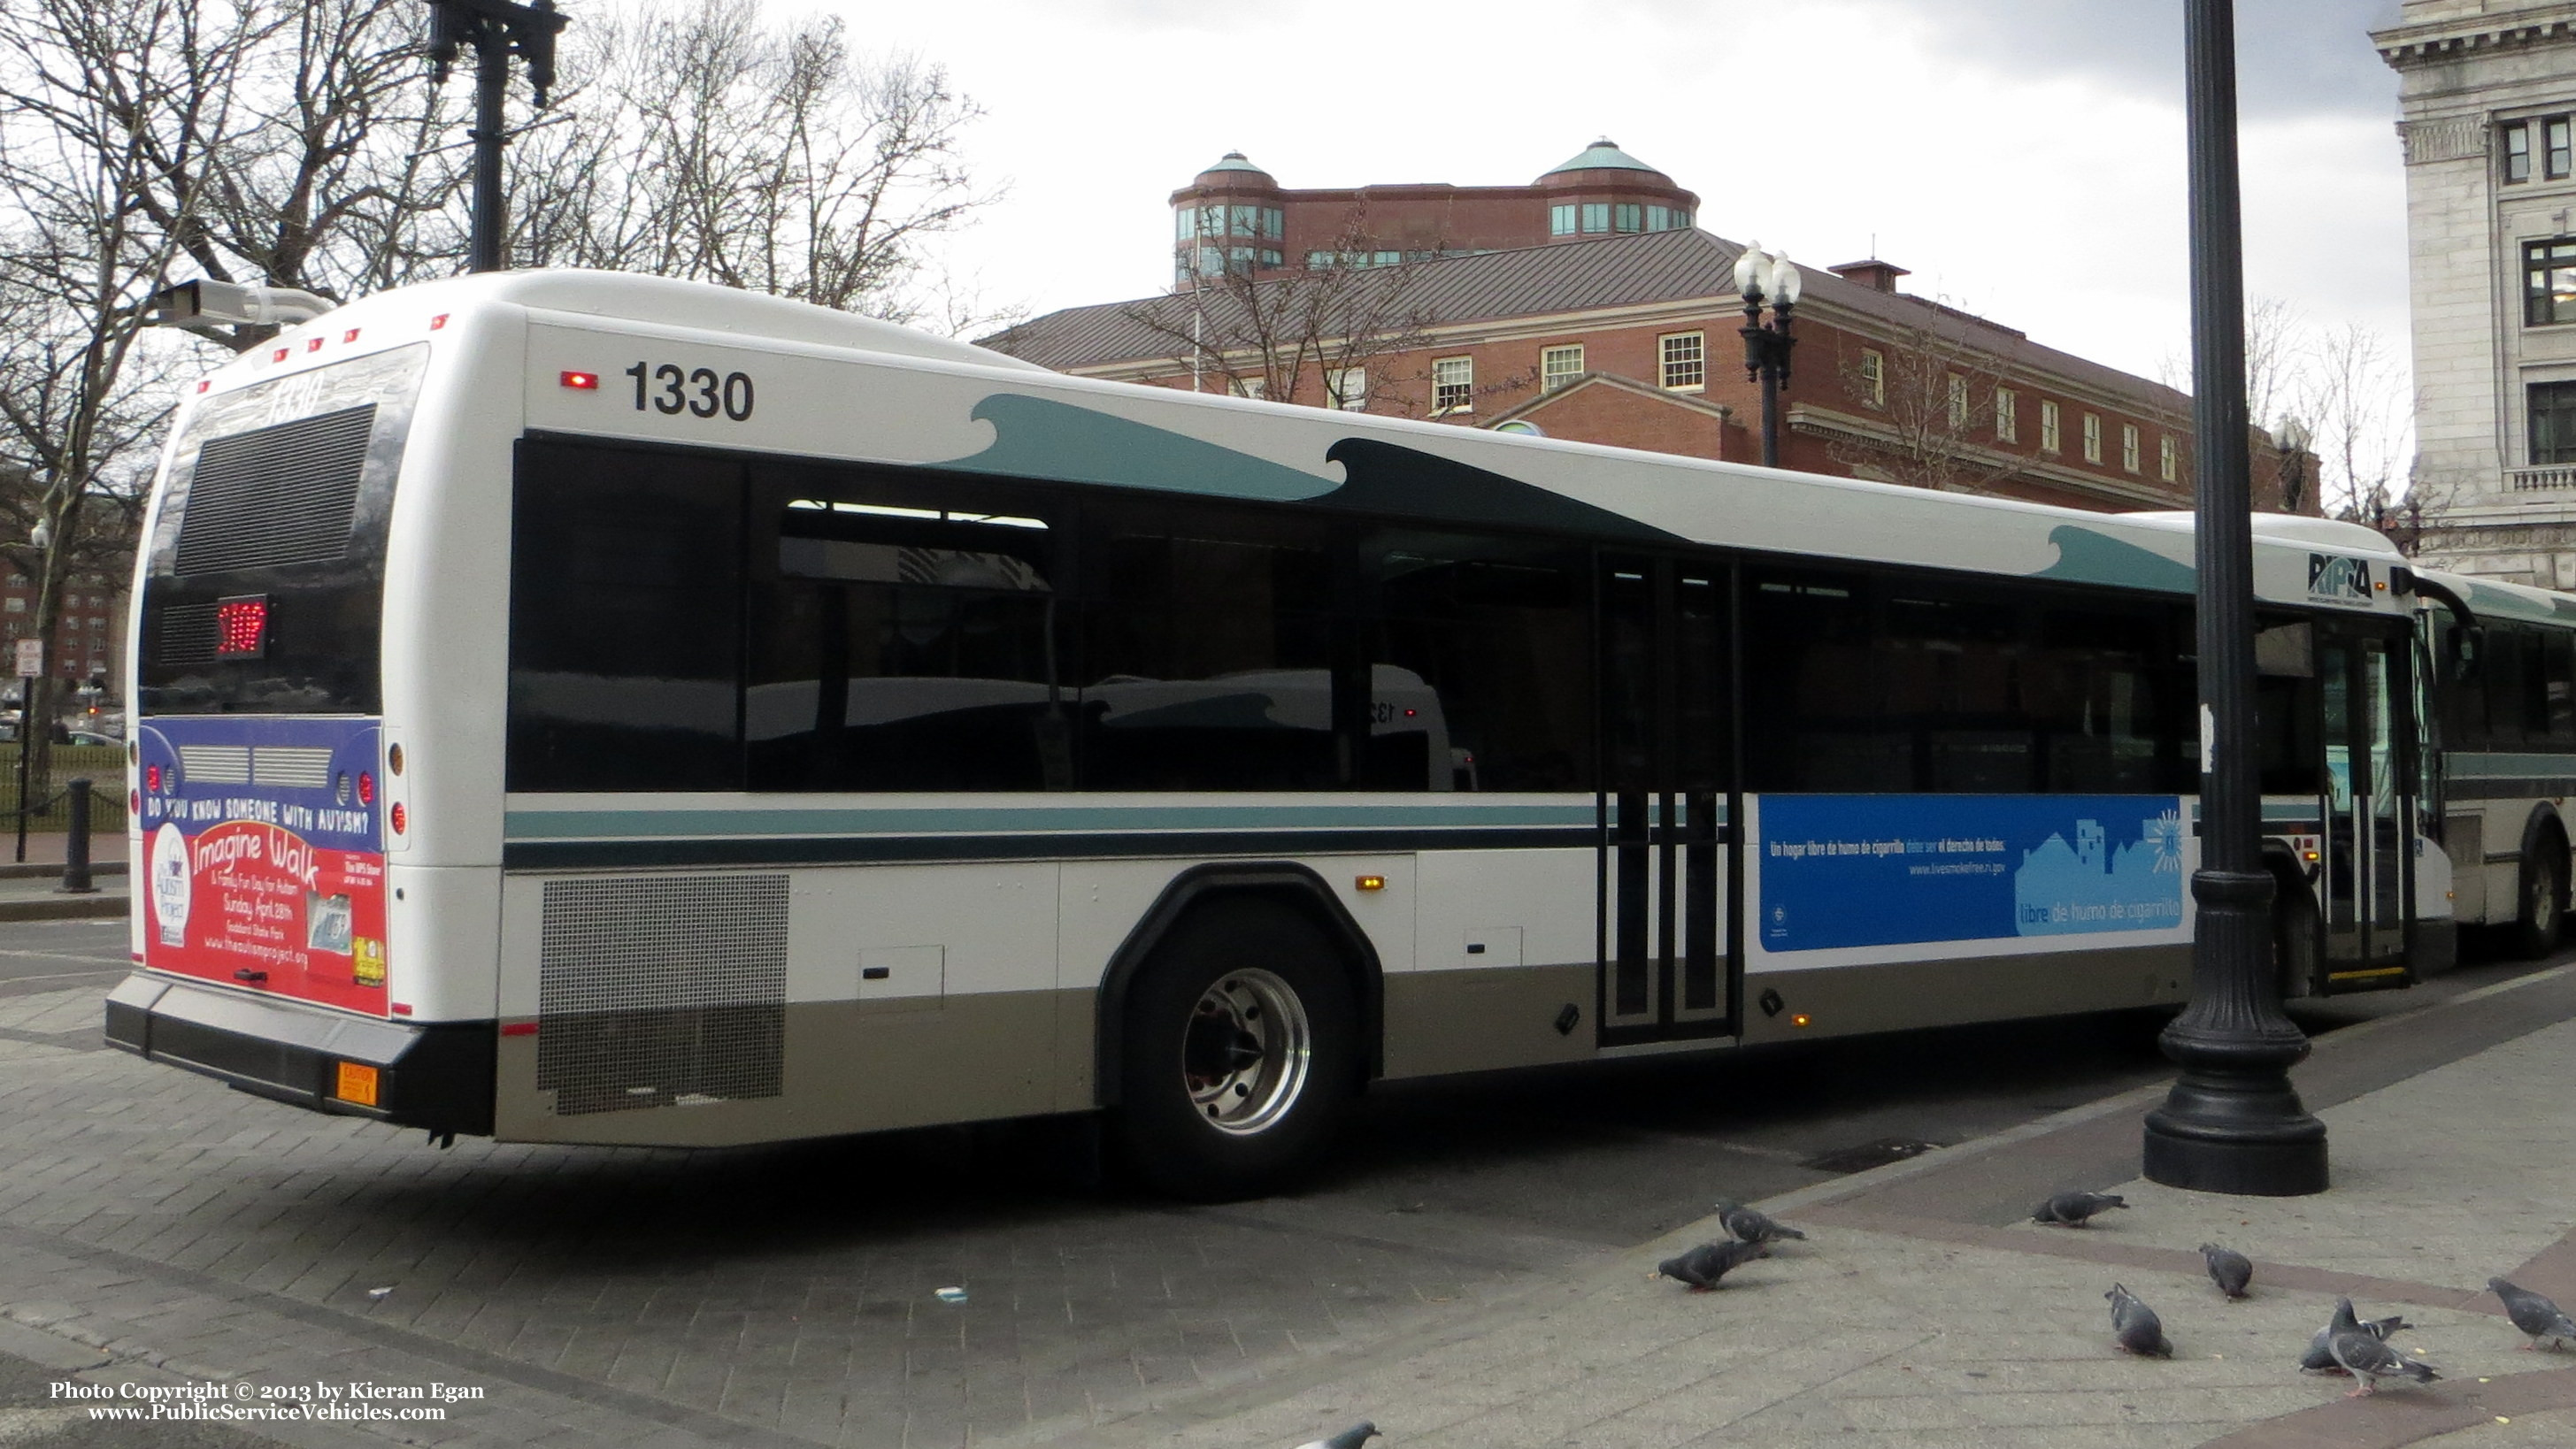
{"x": 1240, "y": 1052}
{"x": 2544, "y": 899}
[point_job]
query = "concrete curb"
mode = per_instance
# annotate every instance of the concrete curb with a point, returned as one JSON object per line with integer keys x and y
{"x": 66, "y": 908}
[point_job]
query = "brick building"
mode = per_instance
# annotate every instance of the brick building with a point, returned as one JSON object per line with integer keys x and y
{"x": 1630, "y": 338}
{"x": 1235, "y": 216}
{"x": 2487, "y": 90}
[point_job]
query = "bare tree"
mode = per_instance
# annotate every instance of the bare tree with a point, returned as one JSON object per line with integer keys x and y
{"x": 1934, "y": 386}
{"x": 709, "y": 144}
{"x": 2351, "y": 389}
{"x": 1349, "y": 334}
{"x": 113, "y": 123}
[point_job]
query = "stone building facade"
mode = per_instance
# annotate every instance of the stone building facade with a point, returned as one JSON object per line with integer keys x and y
{"x": 2488, "y": 120}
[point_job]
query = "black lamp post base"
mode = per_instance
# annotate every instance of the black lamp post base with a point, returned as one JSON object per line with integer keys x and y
{"x": 2275, "y": 1151}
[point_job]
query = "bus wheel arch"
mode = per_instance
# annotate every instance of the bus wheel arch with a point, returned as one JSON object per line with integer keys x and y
{"x": 1259, "y": 970}
{"x": 2541, "y": 884}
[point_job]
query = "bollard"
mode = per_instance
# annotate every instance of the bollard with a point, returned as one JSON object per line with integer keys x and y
{"x": 76, "y": 846}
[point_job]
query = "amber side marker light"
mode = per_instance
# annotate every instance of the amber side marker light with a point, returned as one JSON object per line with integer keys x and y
{"x": 1801, "y": 1019}
{"x": 357, "y": 1084}
{"x": 1371, "y": 882}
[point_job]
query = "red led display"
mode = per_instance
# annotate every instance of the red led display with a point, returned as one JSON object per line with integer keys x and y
{"x": 241, "y": 627}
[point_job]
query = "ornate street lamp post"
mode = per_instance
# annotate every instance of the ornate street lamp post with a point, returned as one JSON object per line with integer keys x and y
{"x": 2232, "y": 1122}
{"x": 1766, "y": 276}
{"x": 495, "y": 28}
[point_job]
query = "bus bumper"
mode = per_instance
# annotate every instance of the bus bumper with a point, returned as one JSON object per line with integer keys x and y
{"x": 437, "y": 1075}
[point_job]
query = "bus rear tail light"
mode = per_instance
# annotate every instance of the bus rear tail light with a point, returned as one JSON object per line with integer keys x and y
{"x": 401, "y": 818}
{"x": 366, "y": 788}
{"x": 356, "y": 1085}
{"x": 152, "y": 778}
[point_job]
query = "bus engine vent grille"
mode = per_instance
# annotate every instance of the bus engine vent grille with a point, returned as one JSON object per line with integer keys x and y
{"x": 661, "y": 991}
{"x": 275, "y": 495}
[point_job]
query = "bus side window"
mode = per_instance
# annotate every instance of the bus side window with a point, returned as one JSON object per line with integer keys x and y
{"x": 2503, "y": 670}
{"x": 1208, "y": 653}
{"x": 2287, "y": 711}
{"x": 902, "y": 639}
{"x": 625, "y": 623}
{"x": 1480, "y": 652}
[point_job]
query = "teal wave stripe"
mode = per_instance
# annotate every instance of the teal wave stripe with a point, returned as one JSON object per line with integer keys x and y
{"x": 2084, "y": 556}
{"x": 1035, "y": 437}
{"x": 1024, "y": 820}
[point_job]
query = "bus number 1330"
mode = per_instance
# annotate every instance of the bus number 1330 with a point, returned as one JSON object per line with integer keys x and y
{"x": 670, "y": 390}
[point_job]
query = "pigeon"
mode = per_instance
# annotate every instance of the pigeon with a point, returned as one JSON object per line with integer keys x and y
{"x": 2320, "y": 1355}
{"x": 1748, "y": 1226}
{"x": 2136, "y": 1326}
{"x": 2533, "y": 1314}
{"x": 1702, "y": 1266}
{"x": 1350, "y": 1438}
{"x": 2365, "y": 1356}
{"x": 2071, "y": 1209}
{"x": 2229, "y": 1269}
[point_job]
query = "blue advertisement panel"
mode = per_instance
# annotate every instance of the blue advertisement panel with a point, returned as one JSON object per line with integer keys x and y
{"x": 1889, "y": 870}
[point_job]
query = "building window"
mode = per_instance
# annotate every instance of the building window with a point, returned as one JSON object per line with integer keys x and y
{"x": 1630, "y": 217}
{"x": 1453, "y": 385}
{"x": 2517, "y": 152}
{"x": 1188, "y": 219}
{"x": 1659, "y": 218}
{"x": 1958, "y": 403}
{"x": 1873, "y": 377}
{"x": 1681, "y": 218}
{"x": 2007, "y": 415}
{"x": 1243, "y": 220}
{"x": 1274, "y": 223}
{"x": 2556, "y": 129}
{"x": 1596, "y": 216}
{"x": 1685, "y": 357}
{"x": 1347, "y": 388}
{"x": 1560, "y": 219}
{"x": 2553, "y": 423}
{"x": 1319, "y": 261}
{"x": 1251, "y": 387}
{"x": 1558, "y": 366}
{"x": 1270, "y": 257}
{"x": 2048, "y": 435}
{"x": 1385, "y": 259}
{"x": 2172, "y": 462}
{"x": 2092, "y": 437}
{"x": 17, "y": 606}
{"x": 2549, "y": 281}
{"x": 2129, "y": 446}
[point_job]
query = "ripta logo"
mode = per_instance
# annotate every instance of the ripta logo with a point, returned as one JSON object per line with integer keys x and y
{"x": 2344, "y": 580}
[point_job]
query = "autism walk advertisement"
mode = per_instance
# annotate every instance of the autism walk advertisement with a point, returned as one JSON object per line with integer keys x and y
{"x": 263, "y": 856}
{"x": 1880, "y": 870}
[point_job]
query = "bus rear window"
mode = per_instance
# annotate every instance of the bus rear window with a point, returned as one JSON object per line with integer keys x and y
{"x": 278, "y": 493}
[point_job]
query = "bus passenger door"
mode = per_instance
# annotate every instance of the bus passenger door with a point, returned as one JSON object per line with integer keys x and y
{"x": 2369, "y": 829}
{"x": 1666, "y": 971}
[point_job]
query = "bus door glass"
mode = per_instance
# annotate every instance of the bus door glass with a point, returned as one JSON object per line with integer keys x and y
{"x": 1666, "y": 971}
{"x": 2369, "y": 808}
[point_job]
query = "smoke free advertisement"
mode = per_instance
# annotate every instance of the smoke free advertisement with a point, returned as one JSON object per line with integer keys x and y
{"x": 1881, "y": 870}
{"x": 263, "y": 856}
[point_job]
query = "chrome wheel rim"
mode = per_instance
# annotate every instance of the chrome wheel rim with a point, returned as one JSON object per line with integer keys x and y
{"x": 1246, "y": 1053}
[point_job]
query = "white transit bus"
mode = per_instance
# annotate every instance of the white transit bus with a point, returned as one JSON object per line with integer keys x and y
{"x": 584, "y": 708}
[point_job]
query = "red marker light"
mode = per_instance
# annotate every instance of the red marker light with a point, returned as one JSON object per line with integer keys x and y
{"x": 401, "y": 820}
{"x": 586, "y": 381}
{"x": 241, "y": 627}
{"x": 438, "y": 321}
{"x": 133, "y": 802}
{"x": 278, "y": 356}
{"x": 313, "y": 346}
{"x": 349, "y": 336}
{"x": 204, "y": 382}
{"x": 367, "y": 789}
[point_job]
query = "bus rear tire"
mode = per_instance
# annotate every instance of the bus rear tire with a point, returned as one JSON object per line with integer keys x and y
{"x": 2544, "y": 899}
{"x": 2294, "y": 938}
{"x": 1240, "y": 1055}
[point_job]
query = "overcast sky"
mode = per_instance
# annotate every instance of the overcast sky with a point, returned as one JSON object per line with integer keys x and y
{"x": 2023, "y": 157}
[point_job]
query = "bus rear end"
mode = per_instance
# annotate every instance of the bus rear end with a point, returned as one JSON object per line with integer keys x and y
{"x": 261, "y": 775}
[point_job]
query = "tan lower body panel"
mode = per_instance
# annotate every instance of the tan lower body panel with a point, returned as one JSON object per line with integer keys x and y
{"x": 1439, "y": 1022}
{"x": 1849, "y": 1000}
{"x": 845, "y": 1067}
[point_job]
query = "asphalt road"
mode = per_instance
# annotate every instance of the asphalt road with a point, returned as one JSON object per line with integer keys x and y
{"x": 745, "y": 1283}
